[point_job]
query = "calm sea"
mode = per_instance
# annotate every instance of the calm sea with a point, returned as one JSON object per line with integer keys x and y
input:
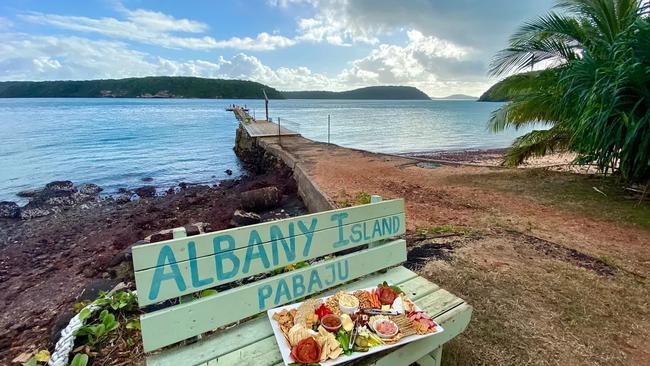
{"x": 118, "y": 142}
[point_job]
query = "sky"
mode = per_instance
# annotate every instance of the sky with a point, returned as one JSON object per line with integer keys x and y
{"x": 442, "y": 47}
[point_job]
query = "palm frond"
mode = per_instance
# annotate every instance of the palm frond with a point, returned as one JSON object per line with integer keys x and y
{"x": 537, "y": 143}
{"x": 549, "y": 37}
{"x": 596, "y": 98}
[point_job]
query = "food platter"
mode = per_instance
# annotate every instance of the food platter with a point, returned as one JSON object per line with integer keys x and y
{"x": 348, "y": 325}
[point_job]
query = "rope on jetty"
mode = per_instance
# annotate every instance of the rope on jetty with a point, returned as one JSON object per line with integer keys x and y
{"x": 65, "y": 344}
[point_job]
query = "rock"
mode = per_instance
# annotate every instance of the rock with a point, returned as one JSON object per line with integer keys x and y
{"x": 29, "y": 193}
{"x": 123, "y": 256}
{"x": 122, "y": 199}
{"x": 261, "y": 199}
{"x": 161, "y": 236}
{"x": 32, "y": 211}
{"x": 123, "y": 190}
{"x": 9, "y": 210}
{"x": 90, "y": 189}
{"x": 147, "y": 179}
{"x": 228, "y": 183}
{"x": 90, "y": 271}
{"x": 60, "y": 323}
{"x": 192, "y": 230}
{"x": 182, "y": 185}
{"x": 60, "y": 186}
{"x": 228, "y": 172}
{"x": 60, "y": 200}
{"x": 5, "y": 342}
{"x": 146, "y": 191}
{"x": 92, "y": 290}
{"x": 243, "y": 218}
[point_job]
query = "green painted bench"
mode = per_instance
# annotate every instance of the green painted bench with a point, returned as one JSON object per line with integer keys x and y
{"x": 225, "y": 328}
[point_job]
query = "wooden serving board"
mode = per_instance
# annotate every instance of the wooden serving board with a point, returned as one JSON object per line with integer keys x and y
{"x": 285, "y": 349}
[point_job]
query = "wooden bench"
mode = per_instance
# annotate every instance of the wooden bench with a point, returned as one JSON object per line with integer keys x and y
{"x": 177, "y": 268}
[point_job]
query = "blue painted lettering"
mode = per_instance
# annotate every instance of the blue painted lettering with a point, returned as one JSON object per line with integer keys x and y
{"x": 166, "y": 257}
{"x": 376, "y": 230}
{"x": 356, "y": 233}
{"x": 225, "y": 255}
{"x": 365, "y": 232}
{"x": 314, "y": 280}
{"x": 332, "y": 279}
{"x": 298, "y": 286}
{"x": 194, "y": 270}
{"x": 309, "y": 234}
{"x": 343, "y": 270}
{"x": 263, "y": 293}
{"x": 283, "y": 290}
{"x": 339, "y": 217}
{"x": 289, "y": 247}
{"x": 255, "y": 250}
{"x": 396, "y": 223}
{"x": 386, "y": 225}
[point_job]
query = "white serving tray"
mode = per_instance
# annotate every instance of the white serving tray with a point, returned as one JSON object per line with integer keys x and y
{"x": 285, "y": 349}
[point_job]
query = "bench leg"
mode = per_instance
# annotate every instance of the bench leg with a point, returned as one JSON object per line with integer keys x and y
{"x": 432, "y": 359}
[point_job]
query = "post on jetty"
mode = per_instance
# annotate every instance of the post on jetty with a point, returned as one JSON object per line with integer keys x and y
{"x": 260, "y": 128}
{"x": 266, "y": 104}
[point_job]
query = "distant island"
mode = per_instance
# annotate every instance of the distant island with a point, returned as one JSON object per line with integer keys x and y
{"x": 191, "y": 87}
{"x": 145, "y": 87}
{"x": 456, "y": 97}
{"x": 371, "y": 92}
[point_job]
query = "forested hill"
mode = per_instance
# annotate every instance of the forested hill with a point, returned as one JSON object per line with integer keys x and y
{"x": 498, "y": 93}
{"x": 146, "y": 87}
{"x": 371, "y": 92}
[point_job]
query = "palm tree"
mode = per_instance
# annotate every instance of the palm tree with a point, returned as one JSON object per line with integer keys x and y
{"x": 592, "y": 89}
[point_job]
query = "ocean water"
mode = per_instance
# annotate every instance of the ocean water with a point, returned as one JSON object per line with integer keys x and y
{"x": 118, "y": 142}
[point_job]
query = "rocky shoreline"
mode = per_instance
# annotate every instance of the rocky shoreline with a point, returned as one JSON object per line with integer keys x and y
{"x": 69, "y": 242}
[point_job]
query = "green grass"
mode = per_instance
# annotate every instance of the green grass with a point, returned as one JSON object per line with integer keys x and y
{"x": 444, "y": 229}
{"x": 572, "y": 192}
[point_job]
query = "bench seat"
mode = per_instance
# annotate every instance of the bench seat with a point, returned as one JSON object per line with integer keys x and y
{"x": 252, "y": 342}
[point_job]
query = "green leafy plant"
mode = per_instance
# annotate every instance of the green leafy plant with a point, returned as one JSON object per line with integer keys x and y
{"x": 41, "y": 357}
{"x": 119, "y": 300}
{"x": 363, "y": 198}
{"x": 134, "y": 324}
{"x": 80, "y": 359}
{"x": 594, "y": 92}
{"x": 208, "y": 292}
{"x": 96, "y": 331}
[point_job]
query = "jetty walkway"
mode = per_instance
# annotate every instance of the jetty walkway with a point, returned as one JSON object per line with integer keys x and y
{"x": 260, "y": 128}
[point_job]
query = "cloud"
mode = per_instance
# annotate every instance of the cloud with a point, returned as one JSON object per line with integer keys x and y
{"x": 482, "y": 25}
{"x": 426, "y": 62}
{"x": 29, "y": 57}
{"x": 155, "y": 28}
{"x": 328, "y": 27}
{"x": 5, "y": 23}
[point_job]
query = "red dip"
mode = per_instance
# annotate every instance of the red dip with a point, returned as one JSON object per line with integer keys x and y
{"x": 331, "y": 322}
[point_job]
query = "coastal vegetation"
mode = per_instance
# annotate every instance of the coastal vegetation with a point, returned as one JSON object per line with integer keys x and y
{"x": 591, "y": 89}
{"x": 371, "y": 92}
{"x": 499, "y": 91}
{"x": 146, "y": 87}
{"x": 189, "y": 87}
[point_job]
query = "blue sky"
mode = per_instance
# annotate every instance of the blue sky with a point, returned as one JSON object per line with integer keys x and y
{"x": 440, "y": 46}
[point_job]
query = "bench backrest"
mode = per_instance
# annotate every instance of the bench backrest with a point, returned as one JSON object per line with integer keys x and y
{"x": 186, "y": 265}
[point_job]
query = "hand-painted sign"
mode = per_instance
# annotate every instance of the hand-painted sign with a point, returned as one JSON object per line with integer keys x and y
{"x": 190, "y": 264}
{"x": 162, "y": 328}
{"x": 300, "y": 284}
